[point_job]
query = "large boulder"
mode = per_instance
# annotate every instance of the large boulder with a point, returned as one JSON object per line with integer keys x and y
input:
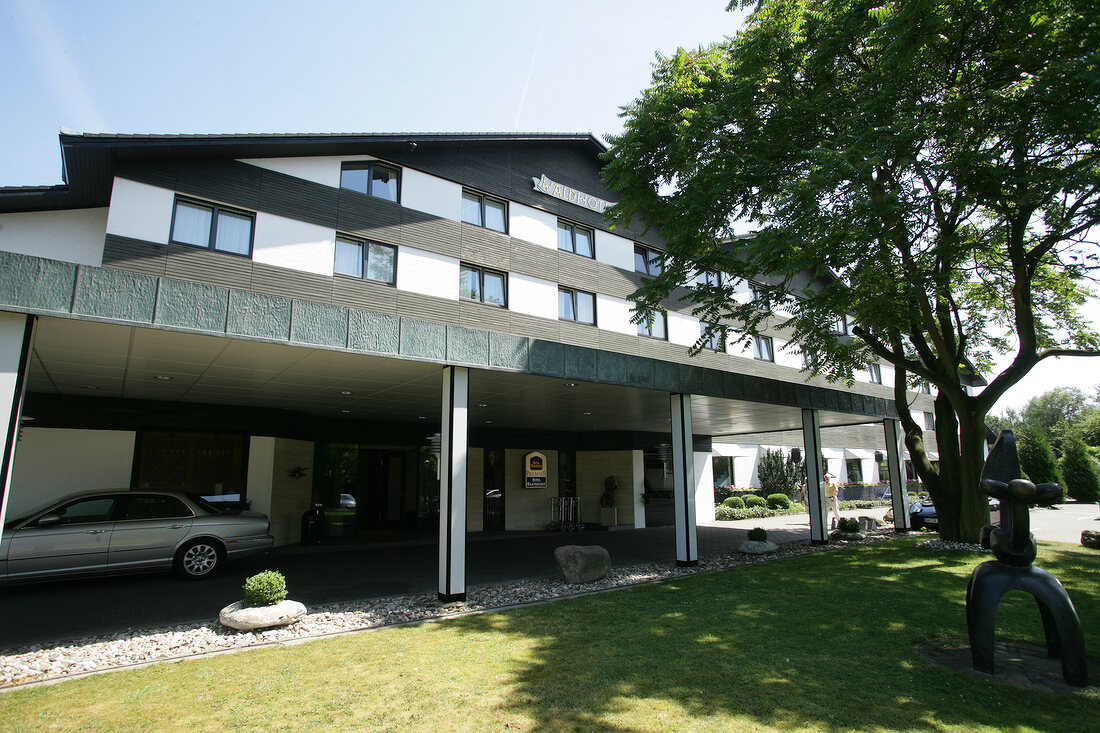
{"x": 246, "y": 618}
{"x": 1090, "y": 538}
{"x": 582, "y": 563}
{"x": 757, "y": 547}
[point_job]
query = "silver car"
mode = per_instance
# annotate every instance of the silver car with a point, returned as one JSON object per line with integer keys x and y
{"x": 121, "y": 530}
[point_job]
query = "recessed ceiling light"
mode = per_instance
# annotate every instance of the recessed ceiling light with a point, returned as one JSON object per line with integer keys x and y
{"x": 588, "y": 413}
{"x": 421, "y": 417}
{"x": 570, "y": 384}
{"x": 482, "y": 404}
{"x": 163, "y": 377}
{"x": 345, "y": 410}
{"x": 90, "y": 386}
{"x": 344, "y": 391}
{"x": 488, "y": 422}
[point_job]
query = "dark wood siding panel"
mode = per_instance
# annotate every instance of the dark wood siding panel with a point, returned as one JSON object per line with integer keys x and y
{"x": 428, "y": 308}
{"x": 623, "y": 344}
{"x": 534, "y": 261}
{"x": 535, "y": 327}
{"x": 614, "y": 282}
{"x": 207, "y": 266}
{"x": 368, "y": 217}
{"x": 479, "y": 315}
{"x": 135, "y": 255}
{"x": 483, "y": 247}
{"x": 298, "y": 199}
{"x": 230, "y": 182}
{"x": 291, "y": 283}
{"x": 160, "y": 174}
{"x": 364, "y": 294}
{"x": 576, "y": 272}
{"x": 441, "y": 236}
{"x": 577, "y": 334}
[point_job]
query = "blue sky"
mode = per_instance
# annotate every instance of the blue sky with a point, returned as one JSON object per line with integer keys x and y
{"x": 356, "y": 66}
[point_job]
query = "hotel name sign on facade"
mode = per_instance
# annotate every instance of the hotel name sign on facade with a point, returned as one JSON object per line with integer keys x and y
{"x": 570, "y": 195}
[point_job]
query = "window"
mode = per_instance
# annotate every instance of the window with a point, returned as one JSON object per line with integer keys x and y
{"x": 854, "y": 469}
{"x": 576, "y": 305}
{"x": 372, "y": 178}
{"x": 840, "y": 326}
{"x": 762, "y": 348}
{"x": 485, "y": 286}
{"x": 575, "y": 239}
{"x": 657, "y": 329}
{"x": 925, "y": 388}
{"x": 713, "y": 340}
{"x": 98, "y": 509}
{"x": 154, "y": 507}
{"x": 707, "y": 279}
{"x": 212, "y": 226}
{"x": 647, "y": 261}
{"x": 929, "y": 421}
{"x": 759, "y": 297}
{"x": 876, "y": 373}
{"x": 484, "y": 211}
{"x": 368, "y": 260}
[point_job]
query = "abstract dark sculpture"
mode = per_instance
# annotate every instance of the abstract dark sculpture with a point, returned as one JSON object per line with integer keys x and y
{"x": 1015, "y": 548}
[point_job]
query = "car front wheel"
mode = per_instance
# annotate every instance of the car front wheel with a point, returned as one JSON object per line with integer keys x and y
{"x": 198, "y": 559}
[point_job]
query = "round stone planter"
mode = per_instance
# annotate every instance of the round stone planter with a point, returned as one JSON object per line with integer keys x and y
{"x": 753, "y": 547}
{"x": 246, "y": 618}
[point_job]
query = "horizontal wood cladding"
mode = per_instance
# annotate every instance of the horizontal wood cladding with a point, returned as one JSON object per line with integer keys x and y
{"x": 134, "y": 255}
{"x": 364, "y": 294}
{"x": 208, "y": 266}
{"x": 291, "y": 283}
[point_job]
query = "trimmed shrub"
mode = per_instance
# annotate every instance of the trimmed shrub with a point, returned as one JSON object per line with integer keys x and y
{"x": 758, "y": 534}
{"x": 724, "y": 513}
{"x": 752, "y": 500}
{"x": 1037, "y": 458}
{"x": 265, "y": 589}
{"x": 779, "y": 501}
{"x": 734, "y": 502}
{"x": 848, "y": 524}
{"x": 778, "y": 473}
{"x": 1082, "y": 481}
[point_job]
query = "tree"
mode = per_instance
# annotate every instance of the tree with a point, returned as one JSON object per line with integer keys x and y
{"x": 1056, "y": 413}
{"x": 928, "y": 169}
{"x": 779, "y": 474}
{"x": 1082, "y": 482}
{"x": 1037, "y": 458}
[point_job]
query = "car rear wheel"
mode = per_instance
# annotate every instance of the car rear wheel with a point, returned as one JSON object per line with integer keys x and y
{"x": 199, "y": 559}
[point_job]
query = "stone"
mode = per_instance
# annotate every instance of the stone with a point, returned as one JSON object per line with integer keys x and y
{"x": 754, "y": 547}
{"x": 582, "y": 563}
{"x": 867, "y": 523}
{"x": 246, "y": 618}
{"x": 837, "y": 534}
{"x": 1090, "y": 538}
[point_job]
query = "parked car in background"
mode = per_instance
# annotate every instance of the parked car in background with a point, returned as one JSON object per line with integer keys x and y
{"x": 347, "y": 501}
{"x": 124, "y": 530}
{"x": 923, "y": 514}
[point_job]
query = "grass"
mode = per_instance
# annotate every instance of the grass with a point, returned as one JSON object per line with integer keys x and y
{"x": 822, "y": 643}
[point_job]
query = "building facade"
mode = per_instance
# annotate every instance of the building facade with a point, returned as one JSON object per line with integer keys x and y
{"x": 422, "y": 333}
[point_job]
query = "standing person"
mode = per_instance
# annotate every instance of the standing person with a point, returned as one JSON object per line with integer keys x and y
{"x": 832, "y": 504}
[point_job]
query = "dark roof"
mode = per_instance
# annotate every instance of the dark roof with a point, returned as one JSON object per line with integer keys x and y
{"x": 89, "y": 159}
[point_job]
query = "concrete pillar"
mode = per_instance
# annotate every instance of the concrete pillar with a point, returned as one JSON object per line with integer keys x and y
{"x": 684, "y": 487}
{"x": 16, "y": 342}
{"x": 815, "y": 490}
{"x": 453, "y": 458}
{"x": 899, "y": 497}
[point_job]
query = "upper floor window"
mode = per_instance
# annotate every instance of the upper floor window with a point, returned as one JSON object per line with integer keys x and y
{"x": 763, "y": 348}
{"x": 712, "y": 340}
{"x": 576, "y": 239}
{"x": 875, "y": 372}
{"x": 484, "y": 211}
{"x": 760, "y": 297}
{"x": 213, "y": 226}
{"x": 657, "y": 328}
{"x": 485, "y": 286}
{"x": 926, "y": 387}
{"x": 372, "y": 178}
{"x": 706, "y": 278}
{"x": 840, "y": 326}
{"x": 647, "y": 261}
{"x": 929, "y": 421}
{"x": 576, "y": 305}
{"x": 368, "y": 260}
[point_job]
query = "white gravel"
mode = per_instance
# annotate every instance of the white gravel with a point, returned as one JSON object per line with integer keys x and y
{"x": 38, "y": 663}
{"x": 952, "y": 546}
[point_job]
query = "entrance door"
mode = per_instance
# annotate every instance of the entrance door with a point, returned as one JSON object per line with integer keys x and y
{"x": 382, "y": 482}
{"x": 493, "y": 516}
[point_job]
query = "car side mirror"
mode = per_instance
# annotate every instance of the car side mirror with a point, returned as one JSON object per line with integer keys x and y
{"x": 47, "y": 520}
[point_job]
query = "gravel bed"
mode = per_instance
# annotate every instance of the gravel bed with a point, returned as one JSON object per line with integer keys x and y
{"x": 38, "y": 663}
{"x": 938, "y": 544}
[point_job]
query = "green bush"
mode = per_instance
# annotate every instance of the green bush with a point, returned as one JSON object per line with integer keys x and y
{"x": 734, "y": 502}
{"x": 758, "y": 534}
{"x": 1082, "y": 481}
{"x": 752, "y": 500}
{"x": 265, "y": 589}
{"x": 778, "y": 473}
{"x": 1037, "y": 458}
{"x": 724, "y": 513}
{"x": 848, "y": 524}
{"x": 756, "y": 512}
{"x": 779, "y": 501}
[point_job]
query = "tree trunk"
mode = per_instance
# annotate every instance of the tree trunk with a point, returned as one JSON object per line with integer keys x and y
{"x": 974, "y": 506}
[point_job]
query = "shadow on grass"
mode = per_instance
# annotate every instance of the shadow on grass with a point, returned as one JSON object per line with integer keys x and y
{"x": 825, "y": 640}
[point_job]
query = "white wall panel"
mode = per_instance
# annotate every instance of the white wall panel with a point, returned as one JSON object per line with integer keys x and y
{"x": 53, "y": 462}
{"x": 431, "y": 194}
{"x": 683, "y": 330}
{"x": 323, "y": 169}
{"x": 140, "y": 211}
{"x": 887, "y": 374}
{"x": 533, "y": 225}
{"x": 261, "y": 473}
{"x": 787, "y": 354}
{"x": 293, "y": 244}
{"x": 427, "y": 273}
{"x": 70, "y": 236}
{"x": 532, "y": 296}
{"x": 614, "y": 250}
{"x": 614, "y": 314}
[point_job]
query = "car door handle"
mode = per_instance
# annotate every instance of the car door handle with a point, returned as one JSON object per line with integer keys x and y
{"x": 95, "y": 531}
{"x": 176, "y": 526}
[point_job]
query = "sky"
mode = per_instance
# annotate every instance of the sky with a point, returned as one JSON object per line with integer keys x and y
{"x": 242, "y": 66}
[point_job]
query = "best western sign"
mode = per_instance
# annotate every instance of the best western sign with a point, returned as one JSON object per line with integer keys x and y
{"x": 570, "y": 195}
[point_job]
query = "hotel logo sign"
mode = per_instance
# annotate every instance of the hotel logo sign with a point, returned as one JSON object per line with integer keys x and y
{"x": 570, "y": 195}
{"x": 534, "y": 471}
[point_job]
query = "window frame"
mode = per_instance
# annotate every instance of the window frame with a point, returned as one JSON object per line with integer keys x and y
{"x": 758, "y": 352}
{"x": 481, "y": 271}
{"x": 929, "y": 420}
{"x": 572, "y": 226}
{"x": 646, "y": 331}
{"x": 714, "y": 342}
{"x": 874, "y": 370}
{"x": 364, "y": 245}
{"x": 573, "y": 295}
{"x": 216, "y": 210}
{"x": 482, "y": 199}
{"x": 708, "y": 279}
{"x": 641, "y": 249}
{"x": 840, "y": 327}
{"x": 759, "y": 299}
{"x": 369, "y": 166}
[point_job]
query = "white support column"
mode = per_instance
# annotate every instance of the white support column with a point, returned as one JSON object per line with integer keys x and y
{"x": 815, "y": 491}
{"x": 683, "y": 468}
{"x": 898, "y": 496}
{"x": 16, "y": 342}
{"x": 453, "y": 452}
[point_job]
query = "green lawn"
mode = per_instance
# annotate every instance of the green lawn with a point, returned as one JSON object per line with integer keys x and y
{"x": 823, "y": 642}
